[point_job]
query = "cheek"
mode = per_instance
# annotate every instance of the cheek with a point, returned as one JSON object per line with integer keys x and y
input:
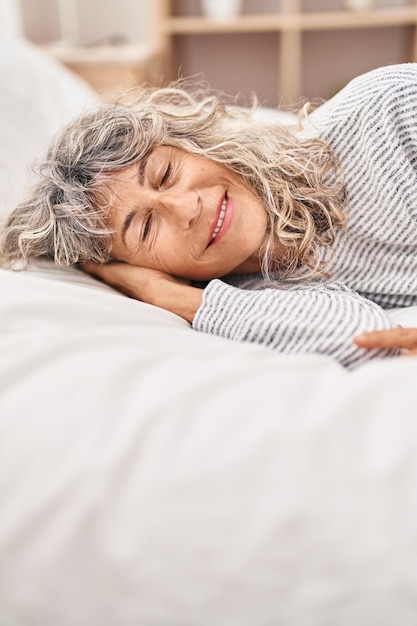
{"x": 253, "y": 216}
{"x": 173, "y": 257}
{"x": 118, "y": 253}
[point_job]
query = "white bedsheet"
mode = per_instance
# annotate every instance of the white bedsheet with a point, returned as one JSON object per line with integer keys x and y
{"x": 154, "y": 476}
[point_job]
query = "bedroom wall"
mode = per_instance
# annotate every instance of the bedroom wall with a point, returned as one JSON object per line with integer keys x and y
{"x": 243, "y": 63}
{"x": 98, "y": 19}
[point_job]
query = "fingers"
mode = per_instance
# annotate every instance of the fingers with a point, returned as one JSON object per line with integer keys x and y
{"x": 96, "y": 269}
{"x": 405, "y": 338}
{"x": 89, "y": 266}
{"x": 109, "y": 272}
{"x": 134, "y": 281}
{"x": 122, "y": 276}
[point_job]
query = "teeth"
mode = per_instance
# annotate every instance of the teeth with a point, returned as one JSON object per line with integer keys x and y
{"x": 220, "y": 220}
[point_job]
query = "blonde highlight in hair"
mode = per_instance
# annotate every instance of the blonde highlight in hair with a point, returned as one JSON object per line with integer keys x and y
{"x": 66, "y": 217}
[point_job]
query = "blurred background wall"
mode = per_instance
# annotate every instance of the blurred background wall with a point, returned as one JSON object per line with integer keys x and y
{"x": 233, "y": 62}
{"x": 98, "y": 19}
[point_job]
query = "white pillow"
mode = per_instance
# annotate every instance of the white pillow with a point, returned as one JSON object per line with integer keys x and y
{"x": 406, "y": 316}
{"x": 37, "y": 97}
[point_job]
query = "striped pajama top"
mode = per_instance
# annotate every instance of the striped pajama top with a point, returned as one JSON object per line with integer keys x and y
{"x": 371, "y": 125}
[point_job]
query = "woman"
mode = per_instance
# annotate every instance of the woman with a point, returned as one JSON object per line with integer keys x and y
{"x": 174, "y": 190}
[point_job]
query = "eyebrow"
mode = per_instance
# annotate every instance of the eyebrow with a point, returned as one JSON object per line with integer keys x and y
{"x": 142, "y": 167}
{"x": 127, "y": 223}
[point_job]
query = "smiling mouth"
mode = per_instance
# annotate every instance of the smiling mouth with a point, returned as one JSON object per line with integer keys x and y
{"x": 220, "y": 220}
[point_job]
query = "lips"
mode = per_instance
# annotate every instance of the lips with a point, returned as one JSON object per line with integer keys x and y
{"x": 222, "y": 221}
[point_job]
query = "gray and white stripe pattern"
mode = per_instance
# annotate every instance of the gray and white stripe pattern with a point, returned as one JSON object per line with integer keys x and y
{"x": 372, "y": 127}
{"x": 320, "y": 319}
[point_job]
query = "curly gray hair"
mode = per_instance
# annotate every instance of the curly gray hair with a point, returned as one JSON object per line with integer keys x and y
{"x": 66, "y": 217}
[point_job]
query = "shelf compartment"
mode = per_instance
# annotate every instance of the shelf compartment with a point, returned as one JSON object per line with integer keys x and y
{"x": 281, "y": 22}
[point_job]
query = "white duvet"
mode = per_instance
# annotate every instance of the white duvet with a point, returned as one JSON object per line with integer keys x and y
{"x": 154, "y": 476}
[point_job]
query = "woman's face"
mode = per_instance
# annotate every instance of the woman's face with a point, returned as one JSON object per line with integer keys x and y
{"x": 186, "y": 215}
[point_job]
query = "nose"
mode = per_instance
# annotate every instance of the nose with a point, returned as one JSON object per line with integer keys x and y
{"x": 181, "y": 209}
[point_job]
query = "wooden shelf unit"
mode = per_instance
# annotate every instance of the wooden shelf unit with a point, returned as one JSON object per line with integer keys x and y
{"x": 290, "y": 23}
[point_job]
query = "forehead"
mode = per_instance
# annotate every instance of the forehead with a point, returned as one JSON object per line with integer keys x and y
{"x": 122, "y": 189}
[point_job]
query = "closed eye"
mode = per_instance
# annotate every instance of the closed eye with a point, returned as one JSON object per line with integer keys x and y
{"x": 166, "y": 176}
{"x": 147, "y": 227}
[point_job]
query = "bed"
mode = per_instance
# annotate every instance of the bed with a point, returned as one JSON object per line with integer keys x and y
{"x": 154, "y": 476}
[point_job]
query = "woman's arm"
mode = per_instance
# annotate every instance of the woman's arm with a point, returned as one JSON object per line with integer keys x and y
{"x": 314, "y": 320}
{"x": 307, "y": 320}
{"x": 151, "y": 286}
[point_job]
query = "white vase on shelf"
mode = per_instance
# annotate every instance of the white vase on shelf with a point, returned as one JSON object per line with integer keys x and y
{"x": 359, "y": 5}
{"x": 221, "y": 9}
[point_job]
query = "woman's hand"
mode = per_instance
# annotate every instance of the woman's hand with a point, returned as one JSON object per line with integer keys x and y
{"x": 151, "y": 286}
{"x": 405, "y": 338}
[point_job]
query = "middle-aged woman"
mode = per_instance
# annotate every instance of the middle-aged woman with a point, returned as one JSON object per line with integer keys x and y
{"x": 312, "y": 230}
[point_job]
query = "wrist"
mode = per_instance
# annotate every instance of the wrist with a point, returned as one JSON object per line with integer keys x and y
{"x": 181, "y": 299}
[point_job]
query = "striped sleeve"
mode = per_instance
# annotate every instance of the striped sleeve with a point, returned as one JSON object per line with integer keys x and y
{"x": 307, "y": 320}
